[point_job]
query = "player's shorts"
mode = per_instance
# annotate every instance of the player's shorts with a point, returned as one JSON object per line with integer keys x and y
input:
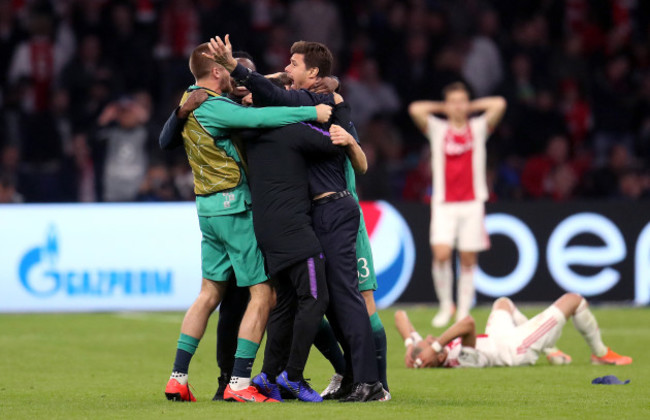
{"x": 229, "y": 247}
{"x": 522, "y": 345}
{"x": 365, "y": 263}
{"x": 459, "y": 225}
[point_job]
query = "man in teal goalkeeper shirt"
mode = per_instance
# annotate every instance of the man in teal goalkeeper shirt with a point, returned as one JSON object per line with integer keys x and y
{"x": 224, "y": 207}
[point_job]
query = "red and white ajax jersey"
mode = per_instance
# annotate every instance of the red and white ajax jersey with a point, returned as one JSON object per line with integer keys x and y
{"x": 458, "y": 158}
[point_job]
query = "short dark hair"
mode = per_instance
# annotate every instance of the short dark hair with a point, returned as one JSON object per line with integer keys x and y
{"x": 454, "y": 87}
{"x": 200, "y": 65}
{"x": 316, "y": 55}
{"x": 242, "y": 54}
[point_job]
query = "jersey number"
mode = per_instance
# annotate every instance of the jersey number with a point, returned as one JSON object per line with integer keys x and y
{"x": 362, "y": 267}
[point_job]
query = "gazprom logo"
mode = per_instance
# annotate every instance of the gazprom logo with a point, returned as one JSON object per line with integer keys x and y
{"x": 393, "y": 250}
{"x": 40, "y": 274}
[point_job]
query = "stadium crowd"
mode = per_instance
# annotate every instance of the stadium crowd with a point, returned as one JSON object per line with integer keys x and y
{"x": 85, "y": 86}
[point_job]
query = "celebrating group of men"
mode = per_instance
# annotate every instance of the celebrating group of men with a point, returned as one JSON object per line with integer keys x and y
{"x": 279, "y": 215}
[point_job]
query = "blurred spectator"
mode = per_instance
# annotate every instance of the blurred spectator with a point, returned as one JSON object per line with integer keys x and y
{"x": 317, "y": 20}
{"x": 576, "y": 69}
{"x": 121, "y": 150}
{"x": 157, "y": 185}
{"x": 482, "y": 68}
{"x": 10, "y": 36}
{"x": 569, "y": 62}
{"x": 86, "y": 69}
{"x": 39, "y": 60}
{"x": 577, "y": 113}
{"x": 127, "y": 47}
{"x": 8, "y": 192}
{"x": 603, "y": 182}
{"x": 550, "y": 175}
{"x": 370, "y": 95}
{"x": 277, "y": 56}
{"x": 613, "y": 105}
{"x": 537, "y": 123}
{"x": 418, "y": 183}
{"x": 630, "y": 185}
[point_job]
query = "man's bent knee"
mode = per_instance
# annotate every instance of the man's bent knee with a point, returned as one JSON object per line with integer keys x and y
{"x": 503, "y": 303}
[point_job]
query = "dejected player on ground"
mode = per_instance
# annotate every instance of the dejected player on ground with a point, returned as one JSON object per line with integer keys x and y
{"x": 458, "y": 158}
{"x": 510, "y": 338}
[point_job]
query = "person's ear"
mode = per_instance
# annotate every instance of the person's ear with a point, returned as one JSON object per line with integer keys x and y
{"x": 215, "y": 72}
{"x": 313, "y": 72}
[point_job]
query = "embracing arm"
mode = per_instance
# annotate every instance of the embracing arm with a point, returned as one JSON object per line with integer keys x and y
{"x": 420, "y": 111}
{"x": 494, "y": 108}
{"x": 171, "y": 135}
{"x": 357, "y": 157}
{"x": 344, "y": 134}
{"x": 221, "y": 113}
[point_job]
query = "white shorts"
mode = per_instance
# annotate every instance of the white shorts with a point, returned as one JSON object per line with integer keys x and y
{"x": 459, "y": 225}
{"x": 522, "y": 345}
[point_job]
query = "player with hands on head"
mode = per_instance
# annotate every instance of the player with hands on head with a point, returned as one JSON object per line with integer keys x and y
{"x": 459, "y": 189}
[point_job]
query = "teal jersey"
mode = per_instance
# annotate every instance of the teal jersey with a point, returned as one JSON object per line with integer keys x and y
{"x": 219, "y": 177}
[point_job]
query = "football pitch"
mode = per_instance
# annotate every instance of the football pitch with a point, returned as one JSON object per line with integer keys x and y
{"x": 105, "y": 365}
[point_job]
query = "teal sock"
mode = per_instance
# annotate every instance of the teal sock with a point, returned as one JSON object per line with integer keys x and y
{"x": 379, "y": 336}
{"x": 375, "y": 322}
{"x": 185, "y": 349}
{"x": 244, "y": 358}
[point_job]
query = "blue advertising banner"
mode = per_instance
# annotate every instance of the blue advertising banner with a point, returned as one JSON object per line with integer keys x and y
{"x": 91, "y": 257}
{"x": 138, "y": 257}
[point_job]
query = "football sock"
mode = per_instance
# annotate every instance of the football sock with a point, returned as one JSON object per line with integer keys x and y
{"x": 184, "y": 351}
{"x": 442, "y": 279}
{"x": 326, "y": 343}
{"x": 379, "y": 336}
{"x": 586, "y": 324}
{"x": 244, "y": 359}
{"x": 465, "y": 291}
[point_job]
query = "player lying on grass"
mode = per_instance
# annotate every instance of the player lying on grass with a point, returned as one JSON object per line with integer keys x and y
{"x": 510, "y": 338}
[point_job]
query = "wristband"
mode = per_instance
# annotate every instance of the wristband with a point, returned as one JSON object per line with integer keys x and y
{"x": 408, "y": 342}
{"x": 436, "y": 346}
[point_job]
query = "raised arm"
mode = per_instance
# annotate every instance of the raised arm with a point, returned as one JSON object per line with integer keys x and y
{"x": 420, "y": 111}
{"x": 494, "y": 108}
{"x": 465, "y": 329}
{"x": 265, "y": 93}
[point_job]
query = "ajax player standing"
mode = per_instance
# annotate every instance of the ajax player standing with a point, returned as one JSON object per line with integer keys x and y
{"x": 459, "y": 188}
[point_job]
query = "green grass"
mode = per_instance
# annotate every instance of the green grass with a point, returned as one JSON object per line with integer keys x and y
{"x": 116, "y": 365}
